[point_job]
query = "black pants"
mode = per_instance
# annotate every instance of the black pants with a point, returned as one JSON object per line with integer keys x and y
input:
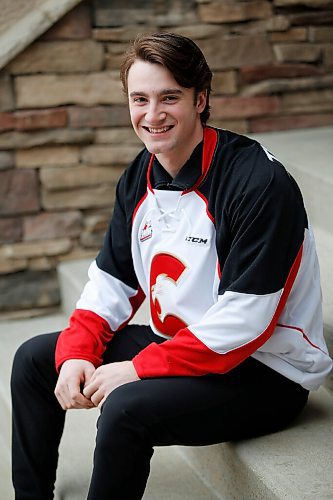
{"x": 249, "y": 401}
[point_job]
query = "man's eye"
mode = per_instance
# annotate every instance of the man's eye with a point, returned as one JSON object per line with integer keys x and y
{"x": 170, "y": 98}
{"x": 139, "y": 100}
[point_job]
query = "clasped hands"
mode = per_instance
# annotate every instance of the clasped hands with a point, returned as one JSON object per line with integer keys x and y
{"x": 97, "y": 383}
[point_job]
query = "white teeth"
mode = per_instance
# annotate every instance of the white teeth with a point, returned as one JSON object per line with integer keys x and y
{"x": 158, "y": 130}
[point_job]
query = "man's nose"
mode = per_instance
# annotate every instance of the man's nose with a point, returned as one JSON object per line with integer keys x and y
{"x": 155, "y": 114}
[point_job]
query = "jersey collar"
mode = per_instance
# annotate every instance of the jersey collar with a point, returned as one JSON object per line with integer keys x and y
{"x": 186, "y": 177}
{"x": 192, "y": 172}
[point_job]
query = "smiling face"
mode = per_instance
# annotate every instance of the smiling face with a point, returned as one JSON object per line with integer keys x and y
{"x": 164, "y": 114}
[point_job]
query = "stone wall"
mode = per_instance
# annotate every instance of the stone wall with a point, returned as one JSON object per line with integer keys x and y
{"x": 65, "y": 133}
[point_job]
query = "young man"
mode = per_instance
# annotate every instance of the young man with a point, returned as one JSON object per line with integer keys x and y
{"x": 211, "y": 229}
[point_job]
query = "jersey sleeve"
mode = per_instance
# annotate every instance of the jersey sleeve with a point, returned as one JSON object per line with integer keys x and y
{"x": 109, "y": 299}
{"x": 260, "y": 227}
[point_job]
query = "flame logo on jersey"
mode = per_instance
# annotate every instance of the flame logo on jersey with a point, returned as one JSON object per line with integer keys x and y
{"x": 165, "y": 278}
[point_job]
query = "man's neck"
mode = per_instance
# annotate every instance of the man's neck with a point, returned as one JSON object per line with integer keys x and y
{"x": 173, "y": 163}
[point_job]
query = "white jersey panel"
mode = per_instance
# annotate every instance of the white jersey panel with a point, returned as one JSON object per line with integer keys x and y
{"x": 106, "y": 296}
{"x": 173, "y": 245}
{"x": 235, "y": 320}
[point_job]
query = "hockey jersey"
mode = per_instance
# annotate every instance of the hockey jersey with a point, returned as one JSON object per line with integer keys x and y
{"x": 226, "y": 258}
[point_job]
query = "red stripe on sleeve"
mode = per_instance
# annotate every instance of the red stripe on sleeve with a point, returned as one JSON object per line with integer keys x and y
{"x": 85, "y": 338}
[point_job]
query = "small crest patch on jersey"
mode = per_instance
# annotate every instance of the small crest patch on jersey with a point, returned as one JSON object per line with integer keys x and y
{"x": 146, "y": 231}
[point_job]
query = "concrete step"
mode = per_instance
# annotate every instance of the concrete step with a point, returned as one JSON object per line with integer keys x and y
{"x": 295, "y": 464}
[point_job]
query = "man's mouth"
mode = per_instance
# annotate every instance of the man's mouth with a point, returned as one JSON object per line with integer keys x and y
{"x": 158, "y": 130}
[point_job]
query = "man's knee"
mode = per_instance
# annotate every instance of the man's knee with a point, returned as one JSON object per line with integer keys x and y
{"x": 32, "y": 354}
{"x": 123, "y": 413}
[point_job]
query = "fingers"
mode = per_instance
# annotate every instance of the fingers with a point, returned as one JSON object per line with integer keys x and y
{"x": 72, "y": 376}
{"x": 70, "y": 397}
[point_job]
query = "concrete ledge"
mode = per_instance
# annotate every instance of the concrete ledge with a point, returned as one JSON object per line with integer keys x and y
{"x": 293, "y": 464}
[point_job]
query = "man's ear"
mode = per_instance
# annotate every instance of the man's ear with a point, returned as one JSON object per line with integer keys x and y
{"x": 201, "y": 101}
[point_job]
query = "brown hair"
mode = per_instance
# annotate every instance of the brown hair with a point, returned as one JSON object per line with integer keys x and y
{"x": 179, "y": 54}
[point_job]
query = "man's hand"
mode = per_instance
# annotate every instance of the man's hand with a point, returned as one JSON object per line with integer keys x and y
{"x": 107, "y": 378}
{"x": 73, "y": 375}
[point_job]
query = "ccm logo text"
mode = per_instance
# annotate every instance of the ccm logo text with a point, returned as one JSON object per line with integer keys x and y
{"x": 193, "y": 239}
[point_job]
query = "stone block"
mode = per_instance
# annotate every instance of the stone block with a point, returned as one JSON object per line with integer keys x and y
{"x": 48, "y": 225}
{"x": 279, "y": 86}
{"x": 7, "y": 121}
{"x": 73, "y": 177}
{"x": 120, "y": 34}
{"x": 27, "y": 289}
{"x": 236, "y": 52}
{"x": 99, "y": 116}
{"x": 173, "y": 13}
{"x": 270, "y": 124}
{"x": 56, "y": 156}
{"x": 8, "y": 266}
{"x": 224, "y": 82}
{"x": 6, "y": 160}
{"x": 78, "y": 253}
{"x": 230, "y": 12}
{"x": 292, "y": 35}
{"x": 251, "y": 74}
{"x": 328, "y": 56}
{"x": 116, "y": 135}
{"x": 92, "y": 239}
{"x": 297, "y": 52}
{"x": 110, "y": 155}
{"x": 100, "y": 196}
{"x": 321, "y": 34}
{"x": 97, "y": 222}
{"x": 76, "y": 25}
{"x": 90, "y": 89}
{"x": 18, "y": 192}
{"x": 243, "y": 107}
{"x": 31, "y": 249}
{"x": 311, "y": 18}
{"x": 59, "y": 57}
{"x": 32, "y": 120}
{"x": 18, "y": 140}
{"x": 274, "y": 23}
{"x": 42, "y": 263}
{"x": 7, "y": 102}
{"x": 309, "y": 3}
{"x": 45, "y": 118}
{"x": 116, "y": 48}
{"x": 200, "y": 31}
{"x": 314, "y": 101}
{"x": 10, "y": 230}
{"x": 112, "y": 61}
{"x": 262, "y": 26}
{"x": 119, "y": 13}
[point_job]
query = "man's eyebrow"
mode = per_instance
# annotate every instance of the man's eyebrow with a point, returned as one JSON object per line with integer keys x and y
{"x": 161, "y": 92}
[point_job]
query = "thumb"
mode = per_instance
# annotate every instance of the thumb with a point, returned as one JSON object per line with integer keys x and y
{"x": 88, "y": 373}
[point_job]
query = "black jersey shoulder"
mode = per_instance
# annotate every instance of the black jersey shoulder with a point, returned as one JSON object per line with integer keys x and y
{"x": 258, "y": 212}
{"x": 242, "y": 167}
